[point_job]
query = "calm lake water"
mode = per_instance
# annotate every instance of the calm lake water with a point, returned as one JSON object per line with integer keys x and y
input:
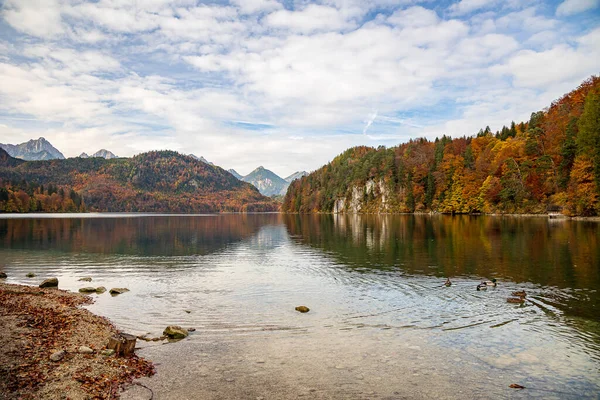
{"x": 381, "y": 325}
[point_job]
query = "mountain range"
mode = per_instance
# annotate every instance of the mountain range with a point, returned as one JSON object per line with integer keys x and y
{"x": 157, "y": 181}
{"x": 102, "y": 153}
{"x": 266, "y": 181}
{"x": 33, "y": 150}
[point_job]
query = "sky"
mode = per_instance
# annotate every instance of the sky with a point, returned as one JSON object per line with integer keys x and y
{"x": 284, "y": 84}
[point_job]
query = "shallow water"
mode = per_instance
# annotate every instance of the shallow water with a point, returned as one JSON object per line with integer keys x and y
{"x": 381, "y": 320}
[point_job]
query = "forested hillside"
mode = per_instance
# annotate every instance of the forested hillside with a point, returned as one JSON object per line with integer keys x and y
{"x": 551, "y": 162}
{"x": 159, "y": 181}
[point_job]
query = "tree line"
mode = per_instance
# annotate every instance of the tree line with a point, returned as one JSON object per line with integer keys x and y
{"x": 549, "y": 163}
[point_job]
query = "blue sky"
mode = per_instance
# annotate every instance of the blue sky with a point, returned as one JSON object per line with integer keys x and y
{"x": 288, "y": 85}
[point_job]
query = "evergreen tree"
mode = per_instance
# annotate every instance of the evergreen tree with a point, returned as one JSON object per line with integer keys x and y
{"x": 588, "y": 138}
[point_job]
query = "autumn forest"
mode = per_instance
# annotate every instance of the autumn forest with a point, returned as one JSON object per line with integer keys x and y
{"x": 550, "y": 163}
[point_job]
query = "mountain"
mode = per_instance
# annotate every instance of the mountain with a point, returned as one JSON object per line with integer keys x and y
{"x": 267, "y": 182}
{"x": 7, "y": 160}
{"x": 204, "y": 160}
{"x": 549, "y": 163}
{"x": 158, "y": 181}
{"x": 83, "y": 155}
{"x": 234, "y": 173}
{"x": 296, "y": 175}
{"x": 39, "y": 149}
{"x": 104, "y": 154}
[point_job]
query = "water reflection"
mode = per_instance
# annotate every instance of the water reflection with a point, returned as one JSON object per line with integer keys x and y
{"x": 142, "y": 235}
{"x": 373, "y": 283}
{"x": 533, "y": 251}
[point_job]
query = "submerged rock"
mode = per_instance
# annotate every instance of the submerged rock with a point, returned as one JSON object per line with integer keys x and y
{"x": 85, "y": 279}
{"x": 115, "y": 291}
{"x": 57, "y": 356}
{"x": 85, "y": 350}
{"x": 3, "y": 275}
{"x": 191, "y": 329}
{"x": 88, "y": 289}
{"x": 175, "y": 332}
{"x": 100, "y": 289}
{"x": 50, "y": 282}
{"x": 302, "y": 309}
{"x": 30, "y": 275}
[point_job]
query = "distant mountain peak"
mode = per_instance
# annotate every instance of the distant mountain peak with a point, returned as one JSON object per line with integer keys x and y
{"x": 84, "y": 155}
{"x": 33, "y": 149}
{"x": 103, "y": 153}
{"x": 234, "y": 173}
{"x": 204, "y": 160}
{"x": 296, "y": 175}
{"x": 267, "y": 182}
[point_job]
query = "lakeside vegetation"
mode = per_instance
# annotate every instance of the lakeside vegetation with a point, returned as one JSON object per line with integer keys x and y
{"x": 157, "y": 181}
{"x": 549, "y": 163}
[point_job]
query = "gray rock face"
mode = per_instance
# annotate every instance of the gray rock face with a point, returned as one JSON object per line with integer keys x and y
{"x": 57, "y": 356}
{"x": 175, "y": 332}
{"x": 50, "y": 282}
{"x": 295, "y": 175}
{"x": 115, "y": 291}
{"x": 267, "y": 182}
{"x": 234, "y": 173}
{"x": 39, "y": 149}
{"x": 104, "y": 154}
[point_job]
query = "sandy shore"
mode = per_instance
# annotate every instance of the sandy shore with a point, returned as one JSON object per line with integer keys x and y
{"x": 36, "y": 323}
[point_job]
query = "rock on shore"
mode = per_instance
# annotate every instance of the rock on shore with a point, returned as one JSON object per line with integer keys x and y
{"x": 46, "y": 341}
{"x": 50, "y": 282}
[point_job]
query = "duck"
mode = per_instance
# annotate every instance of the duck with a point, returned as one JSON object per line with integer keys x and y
{"x": 484, "y": 285}
{"x": 516, "y": 300}
{"x": 448, "y": 283}
{"x": 519, "y": 293}
{"x": 491, "y": 283}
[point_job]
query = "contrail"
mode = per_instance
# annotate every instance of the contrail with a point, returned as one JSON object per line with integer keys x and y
{"x": 369, "y": 121}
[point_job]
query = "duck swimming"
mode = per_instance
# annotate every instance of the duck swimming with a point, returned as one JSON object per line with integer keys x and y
{"x": 448, "y": 283}
{"x": 516, "y": 300}
{"x": 484, "y": 285}
{"x": 491, "y": 283}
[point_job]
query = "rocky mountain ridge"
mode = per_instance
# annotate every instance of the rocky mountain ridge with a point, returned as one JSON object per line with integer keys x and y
{"x": 33, "y": 150}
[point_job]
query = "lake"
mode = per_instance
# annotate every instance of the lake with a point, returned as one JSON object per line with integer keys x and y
{"x": 381, "y": 322}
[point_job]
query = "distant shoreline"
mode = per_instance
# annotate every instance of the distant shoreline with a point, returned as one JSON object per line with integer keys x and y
{"x": 118, "y": 214}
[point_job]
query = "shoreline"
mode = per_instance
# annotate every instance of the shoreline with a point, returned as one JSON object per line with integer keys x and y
{"x": 37, "y": 323}
{"x": 110, "y": 214}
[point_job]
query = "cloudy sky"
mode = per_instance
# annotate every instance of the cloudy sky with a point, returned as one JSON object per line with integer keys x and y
{"x": 285, "y": 84}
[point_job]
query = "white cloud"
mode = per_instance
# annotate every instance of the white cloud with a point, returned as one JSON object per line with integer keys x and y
{"x": 572, "y": 7}
{"x": 313, "y": 18}
{"x": 137, "y": 76}
{"x": 40, "y": 18}
{"x": 257, "y": 6}
{"x": 530, "y": 68}
{"x": 468, "y": 6}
